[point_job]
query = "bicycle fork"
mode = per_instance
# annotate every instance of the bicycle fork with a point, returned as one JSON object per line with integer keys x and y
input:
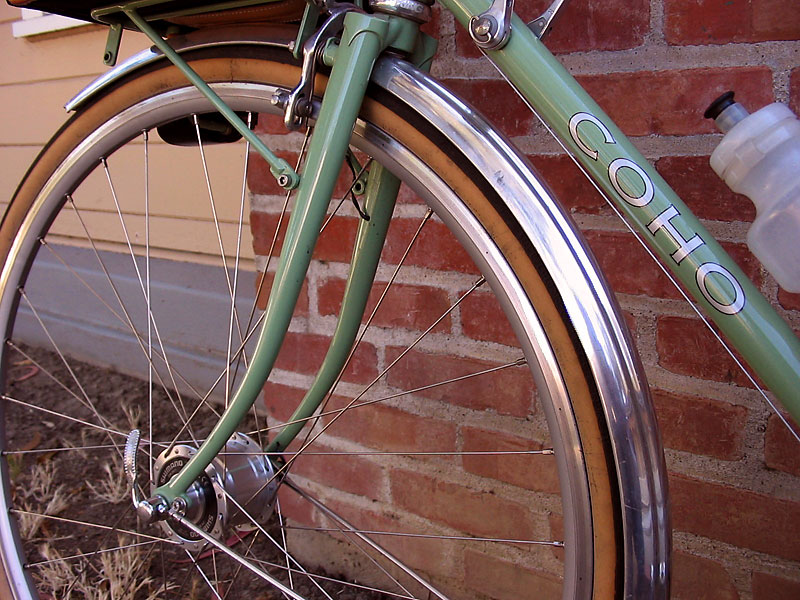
{"x": 364, "y": 37}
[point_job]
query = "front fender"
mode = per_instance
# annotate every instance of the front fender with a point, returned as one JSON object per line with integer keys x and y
{"x": 274, "y": 36}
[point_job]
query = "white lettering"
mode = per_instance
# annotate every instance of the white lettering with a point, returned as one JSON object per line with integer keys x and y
{"x": 618, "y": 173}
{"x": 582, "y": 117}
{"x": 732, "y": 307}
{"x": 685, "y": 247}
{"x": 614, "y": 172}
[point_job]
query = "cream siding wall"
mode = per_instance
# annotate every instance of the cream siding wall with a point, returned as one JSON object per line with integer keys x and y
{"x": 39, "y": 75}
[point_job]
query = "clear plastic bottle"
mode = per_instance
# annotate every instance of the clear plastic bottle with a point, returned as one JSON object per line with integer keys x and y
{"x": 759, "y": 156}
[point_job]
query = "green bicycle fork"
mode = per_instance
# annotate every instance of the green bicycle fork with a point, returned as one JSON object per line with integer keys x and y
{"x": 363, "y": 39}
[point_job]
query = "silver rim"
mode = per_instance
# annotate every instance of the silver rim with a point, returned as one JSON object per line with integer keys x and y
{"x": 576, "y": 511}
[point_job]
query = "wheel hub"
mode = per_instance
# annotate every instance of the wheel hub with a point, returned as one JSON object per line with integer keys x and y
{"x": 239, "y": 477}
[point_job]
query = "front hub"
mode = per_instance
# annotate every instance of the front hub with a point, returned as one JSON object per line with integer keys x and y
{"x": 240, "y": 477}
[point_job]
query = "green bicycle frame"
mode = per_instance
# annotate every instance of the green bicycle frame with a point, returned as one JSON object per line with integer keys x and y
{"x": 725, "y": 293}
{"x": 651, "y": 207}
{"x": 363, "y": 39}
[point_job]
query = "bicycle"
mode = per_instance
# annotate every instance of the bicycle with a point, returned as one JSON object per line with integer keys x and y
{"x": 571, "y": 335}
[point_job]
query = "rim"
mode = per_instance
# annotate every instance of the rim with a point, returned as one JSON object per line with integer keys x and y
{"x": 375, "y": 142}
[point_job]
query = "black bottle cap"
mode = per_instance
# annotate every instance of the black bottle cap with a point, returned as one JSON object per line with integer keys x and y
{"x": 718, "y": 105}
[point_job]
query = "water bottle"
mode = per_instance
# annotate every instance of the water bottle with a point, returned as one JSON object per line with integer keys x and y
{"x": 759, "y": 156}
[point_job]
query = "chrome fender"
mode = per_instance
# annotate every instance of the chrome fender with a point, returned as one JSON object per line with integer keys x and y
{"x": 591, "y": 307}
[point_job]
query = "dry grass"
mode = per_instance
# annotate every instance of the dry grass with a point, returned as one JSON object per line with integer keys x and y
{"x": 117, "y": 576}
{"x": 113, "y": 487}
{"x": 39, "y": 494}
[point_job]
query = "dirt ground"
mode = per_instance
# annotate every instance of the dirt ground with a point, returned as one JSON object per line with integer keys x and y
{"x": 89, "y": 485}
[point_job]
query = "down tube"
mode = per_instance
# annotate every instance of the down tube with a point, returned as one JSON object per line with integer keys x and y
{"x": 727, "y": 296}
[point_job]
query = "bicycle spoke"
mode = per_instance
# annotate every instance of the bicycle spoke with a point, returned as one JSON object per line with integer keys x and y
{"x": 310, "y": 440}
{"x": 341, "y": 582}
{"x": 203, "y": 575}
{"x": 83, "y": 398}
{"x": 148, "y": 295}
{"x": 141, "y": 283}
{"x": 271, "y": 539}
{"x": 282, "y": 527}
{"x": 459, "y": 538}
{"x": 90, "y": 525}
{"x": 423, "y": 388}
{"x": 92, "y": 554}
{"x": 54, "y": 450}
{"x": 64, "y": 416}
{"x": 346, "y": 194}
{"x": 233, "y": 315}
{"x": 128, "y": 318}
{"x": 378, "y": 304}
{"x": 239, "y": 567}
{"x": 223, "y": 548}
{"x": 340, "y": 521}
{"x": 231, "y": 288}
{"x": 145, "y": 346}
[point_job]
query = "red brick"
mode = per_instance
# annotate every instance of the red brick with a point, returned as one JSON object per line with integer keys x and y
{"x": 569, "y": 185}
{"x": 511, "y": 115}
{"x": 479, "y": 513}
{"x": 748, "y": 263}
{"x": 673, "y": 102}
{"x": 427, "y": 555}
{"x": 390, "y": 429}
{"x": 583, "y": 25}
{"x": 788, "y": 300}
{"x": 483, "y": 319}
{"x": 435, "y": 248}
{"x": 696, "y": 578}
{"x": 304, "y": 352}
{"x": 770, "y": 587}
{"x": 295, "y": 508}
{"x": 263, "y": 290}
{"x": 702, "y": 189}
{"x": 509, "y": 391}
{"x": 736, "y": 516}
{"x": 433, "y": 26}
{"x": 350, "y": 473}
{"x": 716, "y": 22}
{"x": 414, "y": 307}
{"x": 503, "y": 580}
{"x": 781, "y": 448}
{"x": 259, "y": 178}
{"x": 533, "y": 472}
{"x": 630, "y": 322}
{"x": 700, "y": 425}
{"x": 557, "y": 534}
{"x": 263, "y": 227}
{"x": 335, "y": 243}
{"x": 775, "y": 20}
{"x": 407, "y": 196}
{"x": 629, "y": 269}
{"x": 281, "y": 400}
{"x": 685, "y": 346}
{"x": 270, "y": 124}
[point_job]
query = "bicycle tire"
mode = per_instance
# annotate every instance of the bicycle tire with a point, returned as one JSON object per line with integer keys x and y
{"x": 247, "y": 81}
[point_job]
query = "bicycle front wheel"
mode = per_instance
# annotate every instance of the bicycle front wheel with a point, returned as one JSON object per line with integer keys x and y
{"x": 473, "y": 459}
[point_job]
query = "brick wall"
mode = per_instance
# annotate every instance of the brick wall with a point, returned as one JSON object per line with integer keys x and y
{"x": 654, "y": 66}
